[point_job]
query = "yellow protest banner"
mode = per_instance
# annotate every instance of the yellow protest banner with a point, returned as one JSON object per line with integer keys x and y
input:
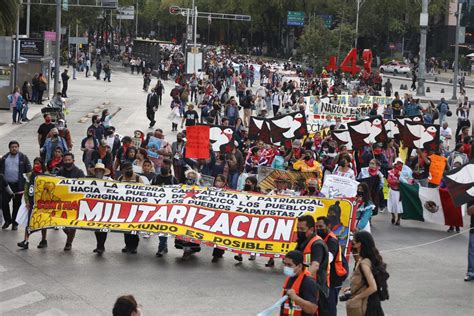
{"x": 236, "y": 221}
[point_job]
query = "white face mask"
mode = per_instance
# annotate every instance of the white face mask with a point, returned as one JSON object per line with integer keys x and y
{"x": 289, "y": 272}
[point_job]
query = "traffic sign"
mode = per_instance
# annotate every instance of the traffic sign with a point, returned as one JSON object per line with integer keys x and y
{"x": 295, "y": 18}
{"x": 174, "y": 10}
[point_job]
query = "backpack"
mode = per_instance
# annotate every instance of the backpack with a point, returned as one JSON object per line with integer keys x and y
{"x": 381, "y": 276}
{"x": 19, "y": 102}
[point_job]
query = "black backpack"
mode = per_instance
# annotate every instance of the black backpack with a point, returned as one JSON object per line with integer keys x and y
{"x": 381, "y": 276}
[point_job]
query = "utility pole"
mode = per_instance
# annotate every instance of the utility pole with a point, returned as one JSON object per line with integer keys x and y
{"x": 28, "y": 13}
{"x": 359, "y": 4}
{"x": 420, "y": 91}
{"x": 57, "y": 47}
{"x": 17, "y": 46}
{"x": 456, "y": 50}
{"x": 136, "y": 21}
{"x": 195, "y": 37}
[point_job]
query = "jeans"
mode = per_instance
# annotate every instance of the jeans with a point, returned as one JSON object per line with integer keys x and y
{"x": 16, "y": 113}
{"x": 163, "y": 244}
{"x": 233, "y": 179}
{"x": 24, "y": 112}
{"x": 470, "y": 255}
{"x": 441, "y": 118}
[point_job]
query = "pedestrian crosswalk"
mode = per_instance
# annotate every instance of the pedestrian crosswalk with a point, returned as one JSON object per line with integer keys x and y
{"x": 20, "y": 301}
{"x": 13, "y": 305}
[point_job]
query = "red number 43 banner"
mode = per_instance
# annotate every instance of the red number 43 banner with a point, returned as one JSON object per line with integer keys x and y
{"x": 349, "y": 64}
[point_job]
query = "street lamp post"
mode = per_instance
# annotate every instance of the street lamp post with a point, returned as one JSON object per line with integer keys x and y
{"x": 57, "y": 47}
{"x": 359, "y": 4}
{"x": 420, "y": 91}
{"x": 456, "y": 51}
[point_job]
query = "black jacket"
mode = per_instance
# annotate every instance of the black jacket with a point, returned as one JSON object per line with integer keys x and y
{"x": 25, "y": 167}
{"x": 151, "y": 101}
{"x": 75, "y": 172}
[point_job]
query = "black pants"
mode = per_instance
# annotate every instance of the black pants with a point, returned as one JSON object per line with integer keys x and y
{"x": 64, "y": 91}
{"x": 6, "y": 198}
{"x": 159, "y": 98}
{"x": 332, "y": 299}
{"x": 150, "y": 114}
{"x": 276, "y": 108}
{"x": 323, "y": 305}
{"x": 461, "y": 124}
{"x": 193, "y": 93}
{"x": 101, "y": 237}
{"x": 40, "y": 96}
{"x": 131, "y": 241}
{"x": 218, "y": 252}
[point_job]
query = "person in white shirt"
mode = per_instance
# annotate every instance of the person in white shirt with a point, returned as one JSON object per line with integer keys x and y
{"x": 276, "y": 101}
{"x": 446, "y": 132}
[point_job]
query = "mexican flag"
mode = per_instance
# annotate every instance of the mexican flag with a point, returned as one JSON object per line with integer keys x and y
{"x": 432, "y": 205}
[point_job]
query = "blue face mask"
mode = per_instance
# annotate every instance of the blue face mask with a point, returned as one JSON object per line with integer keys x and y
{"x": 289, "y": 272}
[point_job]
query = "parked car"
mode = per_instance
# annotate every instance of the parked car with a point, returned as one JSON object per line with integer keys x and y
{"x": 395, "y": 67}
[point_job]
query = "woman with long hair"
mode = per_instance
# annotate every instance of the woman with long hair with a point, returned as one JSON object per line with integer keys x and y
{"x": 365, "y": 207}
{"x": 364, "y": 298}
{"x": 38, "y": 169}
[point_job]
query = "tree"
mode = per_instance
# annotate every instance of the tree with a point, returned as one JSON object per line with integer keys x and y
{"x": 8, "y": 15}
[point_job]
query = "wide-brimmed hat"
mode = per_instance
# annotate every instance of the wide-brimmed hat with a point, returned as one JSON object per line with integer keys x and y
{"x": 397, "y": 160}
{"x": 100, "y": 165}
{"x": 282, "y": 178}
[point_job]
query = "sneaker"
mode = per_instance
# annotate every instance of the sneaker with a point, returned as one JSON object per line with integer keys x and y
{"x": 43, "y": 244}
{"x": 450, "y": 230}
{"x": 215, "y": 259}
{"x": 6, "y": 225}
{"x": 68, "y": 247}
{"x": 133, "y": 251}
{"x": 252, "y": 258}
{"x": 125, "y": 250}
{"x": 15, "y": 227}
{"x": 99, "y": 251}
{"x": 468, "y": 278}
{"x": 23, "y": 244}
{"x": 161, "y": 252}
{"x": 458, "y": 230}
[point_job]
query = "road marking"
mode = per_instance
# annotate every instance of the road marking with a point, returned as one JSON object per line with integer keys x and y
{"x": 2, "y": 269}
{"x": 52, "y": 312}
{"x": 11, "y": 284}
{"x": 20, "y": 301}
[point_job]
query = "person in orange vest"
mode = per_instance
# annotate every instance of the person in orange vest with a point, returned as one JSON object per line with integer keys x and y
{"x": 316, "y": 258}
{"x": 338, "y": 265}
{"x": 300, "y": 287}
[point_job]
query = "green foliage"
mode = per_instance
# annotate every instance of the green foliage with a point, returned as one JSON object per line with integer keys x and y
{"x": 8, "y": 13}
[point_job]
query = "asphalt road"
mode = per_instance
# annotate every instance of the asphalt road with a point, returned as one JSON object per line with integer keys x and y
{"x": 426, "y": 269}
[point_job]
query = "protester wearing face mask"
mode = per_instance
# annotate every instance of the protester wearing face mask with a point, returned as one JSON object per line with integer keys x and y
{"x": 100, "y": 172}
{"x": 131, "y": 241}
{"x": 250, "y": 186}
{"x": 307, "y": 163}
{"x": 312, "y": 188}
{"x": 316, "y": 257}
{"x": 189, "y": 248}
{"x": 113, "y": 140}
{"x": 44, "y": 129}
{"x": 65, "y": 133}
{"x": 374, "y": 179}
{"x": 299, "y": 286}
{"x": 394, "y": 204}
{"x": 163, "y": 178}
{"x": 339, "y": 267}
{"x": 220, "y": 183}
{"x": 52, "y": 142}
{"x": 365, "y": 207}
{"x": 70, "y": 171}
{"x": 343, "y": 169}
{"x": 38, "y": 169}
